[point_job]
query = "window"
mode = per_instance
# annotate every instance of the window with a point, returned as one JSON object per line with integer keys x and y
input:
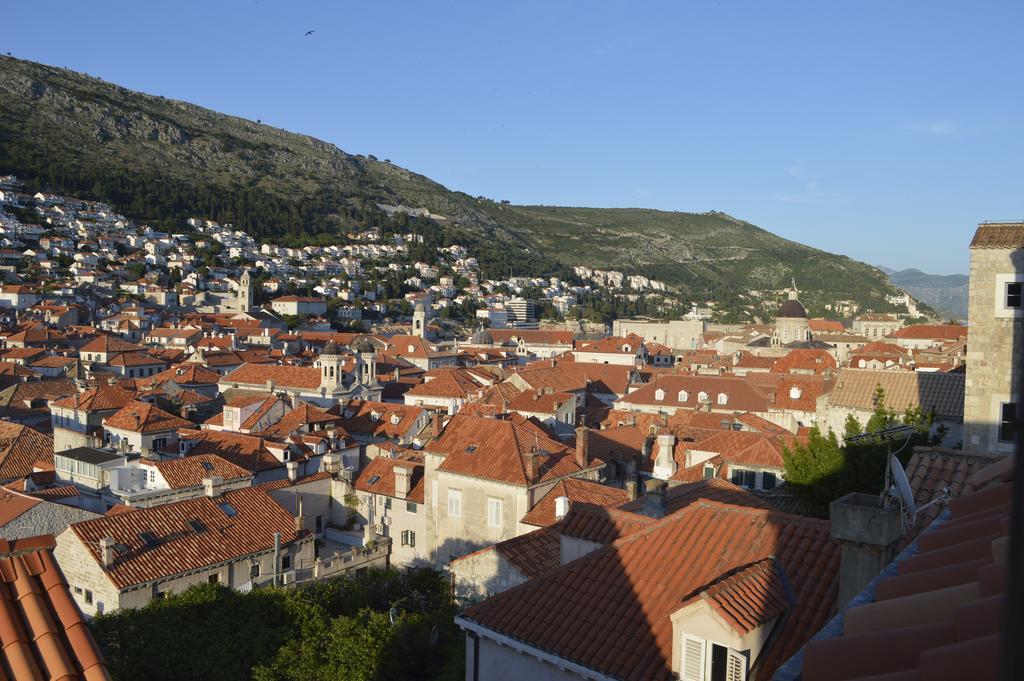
{"x": 723, "y": 398}
{"x": 408, "y": 538}
{"x": 159, "y": 443}
{"x": 214, "y": 578}
{"x": 494, "y": 512}
{"x": 152, "y": 477}
{"x": 387, "y": 503}
{"x": 1008, "y": 422}
{"x": 411, "y": 507}
{"x": 1015, "y": 294}
{"x": 709, "y": 472}
{"x": 683, "y": 396}
{"x": 659, "y": 394}
{"x": 254, "y": 571}
{"x": 746, "y": 479}
{"x": 286, "y": 562}
{"x": 319, "y": 523}
{"x": 768, "y": 480}
{"x": 706, "y": 661}
{"x": 454, "y": 503}
{"x": 88, "y": 596}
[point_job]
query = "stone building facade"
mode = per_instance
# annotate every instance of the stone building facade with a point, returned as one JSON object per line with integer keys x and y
{"x": 995, "y": 340}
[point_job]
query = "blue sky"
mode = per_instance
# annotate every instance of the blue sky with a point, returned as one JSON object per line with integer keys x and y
{"x": 882, "y": 130}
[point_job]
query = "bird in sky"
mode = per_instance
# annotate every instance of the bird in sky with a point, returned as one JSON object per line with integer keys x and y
{"x": 309, "y": 33}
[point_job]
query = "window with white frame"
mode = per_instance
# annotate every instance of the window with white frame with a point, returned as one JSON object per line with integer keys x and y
{"x": 723, "y": 398}
{"x": 1014, "y": 294}
{"x": 768, "y": 480}
{"x": 494, "y": 508}
{"x": 659, "y": 394}
{"x": 454, "y": 503}
{"x": 744, "y": 478}
{"x": 703, "y": 660}
{"x": 408, "y": 538}
{"x": 683, "y": 396}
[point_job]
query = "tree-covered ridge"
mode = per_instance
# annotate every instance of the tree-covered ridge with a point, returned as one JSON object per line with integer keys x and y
{"x": 161, "y": 161}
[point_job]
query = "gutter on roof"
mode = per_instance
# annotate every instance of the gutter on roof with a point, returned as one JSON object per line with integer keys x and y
{"x": 472, "y": 628}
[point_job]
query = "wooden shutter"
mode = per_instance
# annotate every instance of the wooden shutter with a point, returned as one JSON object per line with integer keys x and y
{"x": 736, "y": 667}
{"x": 693, "y": 658}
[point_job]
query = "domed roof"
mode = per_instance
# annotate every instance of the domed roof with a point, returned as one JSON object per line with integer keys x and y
{"x": 363, "y": 344}
{"x": 481, "y": 337}
{"x": 792, "y": 309}
{"x": 330, "y": 348}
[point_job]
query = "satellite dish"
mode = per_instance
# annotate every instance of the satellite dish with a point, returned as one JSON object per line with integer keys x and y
{"x": 897, "y": 490}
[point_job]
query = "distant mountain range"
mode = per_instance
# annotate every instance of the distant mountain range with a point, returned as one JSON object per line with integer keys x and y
{"x": 946, "y": 293}
{"x": 160, "y": 161}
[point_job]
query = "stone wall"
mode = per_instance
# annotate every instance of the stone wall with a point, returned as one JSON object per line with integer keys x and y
{"x": 44, "y": 518}
{"x": 483, "y": 574}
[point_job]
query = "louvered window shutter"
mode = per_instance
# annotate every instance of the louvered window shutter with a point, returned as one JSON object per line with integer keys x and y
{"x": 736, "y": 667}
{"x": 693, "y": 658}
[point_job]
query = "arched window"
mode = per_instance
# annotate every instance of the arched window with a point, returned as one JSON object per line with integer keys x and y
{"x": 683, "y": 396}
{"x": 723, "y": 398}
{"x": 659, "y": 394}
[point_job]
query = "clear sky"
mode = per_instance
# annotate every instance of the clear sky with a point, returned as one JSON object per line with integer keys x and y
{"x": 882, "y": 130}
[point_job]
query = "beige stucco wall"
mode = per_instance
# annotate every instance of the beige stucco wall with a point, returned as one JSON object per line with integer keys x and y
{"x": 483, "y": 574}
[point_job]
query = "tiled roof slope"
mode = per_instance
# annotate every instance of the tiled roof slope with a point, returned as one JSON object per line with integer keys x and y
{"x": 931, "y": 469}
{"x": 715, "y": 489}
{"x": 142, "y": 417}
{"x": 643, "y": 578}
{"x": 1005, "y": 235}
{"x": 498, "y": 449}
{"x": 189, "y": 471}
{"x": 940, "y": 617}
{"x": 943, "y": 392}
{"x": 576, "y": 490}
{"x": 179, "y": 548}
{"x": 104, "y": 398}
{"x": 21, "y": 448}
{"x": 748, "y": 597}
{"x": 285, "y": 376}
{"x": 383, "y": 469}
{"x": 44, "y": 634}
{"x": 534, "y": 554}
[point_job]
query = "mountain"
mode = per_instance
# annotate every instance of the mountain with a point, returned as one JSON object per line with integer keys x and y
{"x": 947, "y": 293}
{"x": 161, "y": 161}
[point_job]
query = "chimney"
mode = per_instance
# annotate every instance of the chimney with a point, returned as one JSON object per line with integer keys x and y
{"x": 300, "y": 518}
{"x": 107, "y": 551}
{"x": 654, "y": 499}
{"x": 293, "y": 470}
{"x": 532, "y": 467}
{"x": 212, "y": 486}
{"x": 631, "y": 489}
{"x": 561, "y": 507}
{"x": 664, "y": 462}
{"x": 332, "y": 463}
{"x": 403, "y": 481}
{"x": 582, "y": 449}
{"x": 436, "y": 429}
{"x": 867, "y": 533}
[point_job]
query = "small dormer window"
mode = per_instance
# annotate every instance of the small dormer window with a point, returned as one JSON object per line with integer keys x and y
{"x": 723, "y": 398}
{"x": 683, "y": 396}
{"x": 702, "y": 396}
{"x": 374, "y": 416}
{"x": 659, "y": 394}
{"x": 795, "y": 392}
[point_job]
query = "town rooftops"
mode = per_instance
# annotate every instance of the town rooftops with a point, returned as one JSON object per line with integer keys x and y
{"x": 189, "y": 471}
{"x": 21, "y": 448}
{"x": 278, "y": 375}
{"x": 623, "y": 629}
{"x": 103, "y": 398}
{"x": 45, "y": 635}
{"x": 999, "y": 235}
{"x": 234, "y": 525}
{"x": 378, "y": 477}
{"x": 142, "y": 417}
{"x": 943, "y": 392}
{"x": 577, "y": 491}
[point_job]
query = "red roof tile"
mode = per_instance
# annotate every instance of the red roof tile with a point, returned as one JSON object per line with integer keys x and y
{"x": 142, "y": 417}
{"x": 578, "y": 491}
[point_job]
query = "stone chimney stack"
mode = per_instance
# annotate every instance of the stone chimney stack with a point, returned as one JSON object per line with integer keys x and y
{"x": 107, "y": 551}
{"x": 582, "y": 447}
{"x": 533, "y": 467}
{"x": 654, "y": 499}
{"x": 212, "y": 486}
{"x": 436, "y": 427}
{"x": 403, "y": 481}
{"x": 867, "y": 533}
{"x": 561, "y": 507}
{"x": 664, "y": 463}
{"x": 293, "y": 470}
{"x": 631, "y": 489}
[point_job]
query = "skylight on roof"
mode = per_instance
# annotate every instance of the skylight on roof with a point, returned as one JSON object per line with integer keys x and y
{"x": 471, "y": 449}
{"x": 148, "y": 538}
{"x": 373, "y": 480}
{"x": 207, "y": 465}
{"x": 228, "y": 509}
{"x": 197, "y": 526}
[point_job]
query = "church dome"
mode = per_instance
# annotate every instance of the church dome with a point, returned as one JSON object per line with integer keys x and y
{"x": 363, "y": 344}
{"x": 481, "y": 337}
{"x": 792, "y": 309}
{"x": 330, "y": 348}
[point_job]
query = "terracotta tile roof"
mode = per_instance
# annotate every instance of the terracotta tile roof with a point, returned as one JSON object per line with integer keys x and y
{"x": 134, "y": 359}
{"x": 178, "y": 547}
{"x": 573, "y": 377}
{"x": 142, "y": 417}
{"x": 246, "y": 451}
{"x": 544, "y": 403}
{"x": 16, "y": 399}
{"x": 644, "y": 576}
{"x": 447, "y": 382}
{"x": 816, "y": 361}
{"x": 742, "y": 395}
{"x": 532, "y": 336}
{"x": 21, "y": 448}
{"x": 749, "y": 597}
{"x": 931, "y": 469}
{"x": 937, "y": 612}
{"x": 188, "y": 374}
{"x": 1005, "y": 235}
{"x": 303, "y": 417}
{"x": 931, "y": 331}
{"x": 109, "y": 345}
{"x": 611, "y": 344}
{"x": 534, "y": 554}
{"x": 618, "y": 442}
{"x": 800, "y": 393}
{"x": 378, "y": 477}
{"x": 680, "y": 496}
{"x": 278, "y": 375}
{"x": 500, "y": 449}
{"x": 44, "y": 633}
{"x": 189, "y": 471}
{"x": 104, "y": 398}
{"x": 13, "y": 505}
{"x": 826, "y": 325}
{"x": 943, "y": 392}
{"x": 578, "y": 491}
{"x": 358, "y": 416}
{"x": 602, "y": 525}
